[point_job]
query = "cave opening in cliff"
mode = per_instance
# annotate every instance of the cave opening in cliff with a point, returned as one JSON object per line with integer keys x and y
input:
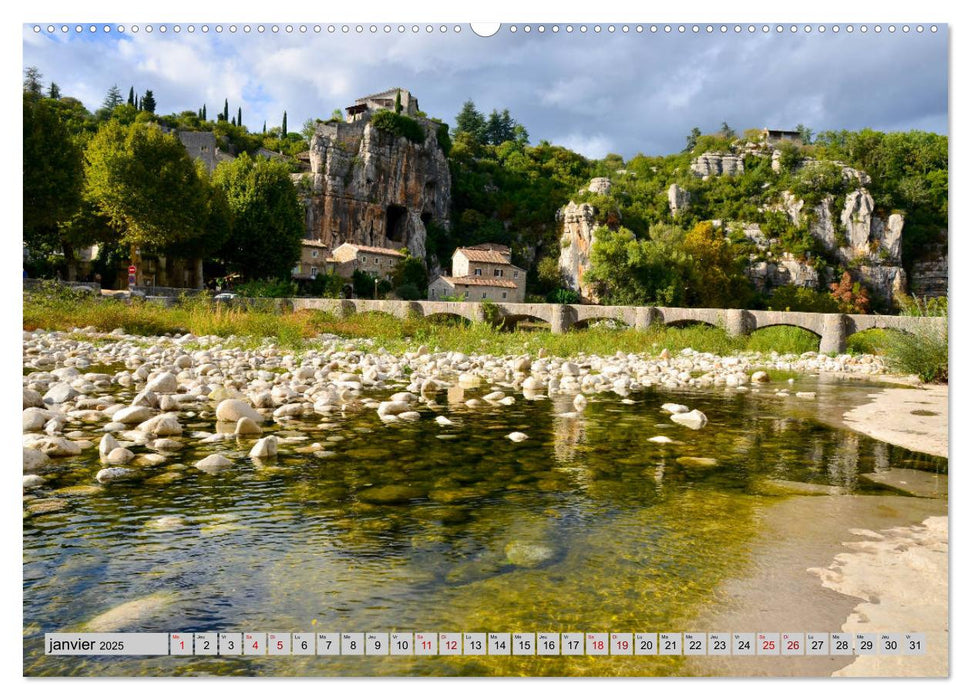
{"x": 426, "y": 219}
{"x": 395, "y": 223}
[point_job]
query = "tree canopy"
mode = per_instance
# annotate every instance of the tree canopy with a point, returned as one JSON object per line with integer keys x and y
{"x": 144, "y": 183}
{"x": 268, "y": 220}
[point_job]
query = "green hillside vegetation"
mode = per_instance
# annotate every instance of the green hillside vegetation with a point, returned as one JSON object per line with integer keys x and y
{"x": 504, "y": 190}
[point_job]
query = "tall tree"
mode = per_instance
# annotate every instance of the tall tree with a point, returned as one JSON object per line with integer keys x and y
{"x": 32, "y": 80}
{"x": 239, "y": 116}
{"x": 53, "y": 174}
{"x": 233, "y": 121}
{"x": 397, "y": 102}
{"x": 148, "y": 102}
{"x": 112, "y": 99}
{"x": 131, "y": 95}
{"x": 264, "y": 127}
{"x": 144, "y": 183}
{"x": 692, "y": 139}
{"x": 203, "y": 112}
{"x": 225, "y": 116}
{"x": 805, "y": 133}
{"x": 268, "y": 219}
{"x": 283, "y": 129}
{"x": 54, "y": 92}
{"x": 726, "y": 131}
{"x": 470, "y": 121}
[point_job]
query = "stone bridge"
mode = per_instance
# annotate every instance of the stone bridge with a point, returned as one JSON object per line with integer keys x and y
{"x": 832, "y": 329}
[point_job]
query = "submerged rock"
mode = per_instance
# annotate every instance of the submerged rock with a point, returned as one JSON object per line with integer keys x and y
{"x": 696, "y": 420}
{"x": 528, "y": 555}
{"x": 131, "y": 615}
{"x": 390, "y": 495}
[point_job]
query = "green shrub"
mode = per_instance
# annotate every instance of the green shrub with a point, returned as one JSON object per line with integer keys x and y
{"x": 791, "y": 297}
{"x": 563, "y": 296}
{"x": 398, "y": 125}
{"x": 491, "y": 312}
{"x": 868, "y": 342}
{"x": 408, "y": 292}
{"x": 923, "y": 353}
{"x": 921, "y": 306}
{"x": 782, "y": 339}
{"x": 272, "y": 288}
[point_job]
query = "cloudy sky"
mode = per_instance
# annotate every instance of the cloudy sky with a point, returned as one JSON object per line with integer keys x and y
{"x": 595, "y": 93}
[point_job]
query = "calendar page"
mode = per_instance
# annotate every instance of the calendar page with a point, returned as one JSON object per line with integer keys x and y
{"x": 518, "y": 349}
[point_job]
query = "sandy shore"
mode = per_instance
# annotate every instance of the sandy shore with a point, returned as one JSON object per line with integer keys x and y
{"x": 838, "y": 563}
{"x": 913, "y": 418}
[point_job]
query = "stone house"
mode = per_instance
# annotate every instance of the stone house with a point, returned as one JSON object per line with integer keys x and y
{"x": 377, "y": 262}
{"x": 315, "y": 259}
{"x": 774, "y": 136}
{"x": 474, "y": 289}
{"x": 383, "y": 100}
{"x": 482, "y": 272}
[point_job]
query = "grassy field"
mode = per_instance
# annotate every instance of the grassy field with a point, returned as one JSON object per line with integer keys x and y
{"x": 52, "y": 307}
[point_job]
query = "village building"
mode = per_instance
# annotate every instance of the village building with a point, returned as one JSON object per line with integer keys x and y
{"x": 315, "y": 259}
{"x": 482, "y": 272}
{"x": 773, "y": 136}
{"x": 377, "y": 262}
{"x": 383, "y": 100}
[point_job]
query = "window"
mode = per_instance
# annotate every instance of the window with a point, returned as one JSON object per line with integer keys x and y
{"x": 483, "y": 295}
{"x": 497, "y": 272}
{"x": 313, "y": 272}
{"x": 515, "y": 274}
{"x": 503, "y": 295}
{"x": 478, "y": 272}
{"x": 313, "y": 253}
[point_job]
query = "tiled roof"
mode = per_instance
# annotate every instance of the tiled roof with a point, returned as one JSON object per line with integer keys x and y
{"x": 376, "y": 250}
{"x": 484, "y": 256}
{"x": 480, "y": 282}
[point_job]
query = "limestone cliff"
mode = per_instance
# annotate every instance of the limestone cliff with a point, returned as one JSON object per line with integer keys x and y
{"x": 858, "y": 237}
{"x": 576, "y": 242}
{"x": 370, "y": 187}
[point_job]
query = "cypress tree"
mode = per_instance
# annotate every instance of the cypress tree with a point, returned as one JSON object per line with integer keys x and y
{"x": 283, "y": 130}
{"x": 264, "y": 128}
{"x": 131, "y": 95}
{"x": 234, "y": 121}
{"x": 55, "y": 92}
{"x": 226, "y": 111}
{"x": 148, "y": 102}
{"x": 397, "y": 102}
{"x": 239, "y": 116}
{"x": 203, "y": 113}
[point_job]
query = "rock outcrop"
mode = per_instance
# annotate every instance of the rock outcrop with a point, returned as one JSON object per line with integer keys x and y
{"x": 576, "y": 242}
{"x": 599, "y": 185}
{"x": 708, "y": 164}
{"x": 858, "y": 237}
{"x": 370, "y": 187}
{"x": 928, "y": 275}
{"x": 678, "y": 199}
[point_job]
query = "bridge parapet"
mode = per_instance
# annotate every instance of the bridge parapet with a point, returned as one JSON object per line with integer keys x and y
{"x": 832, "y": 329}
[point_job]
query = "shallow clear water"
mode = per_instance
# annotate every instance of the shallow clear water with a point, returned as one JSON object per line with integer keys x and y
{"x": 585, "y": 526}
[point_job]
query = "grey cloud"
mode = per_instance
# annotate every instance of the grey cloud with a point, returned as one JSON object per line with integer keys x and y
{"x": 625, "y": 93}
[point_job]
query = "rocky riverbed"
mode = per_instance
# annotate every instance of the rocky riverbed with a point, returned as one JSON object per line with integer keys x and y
{"x": 73, "y": 380}
{"x": 470, "y": 490}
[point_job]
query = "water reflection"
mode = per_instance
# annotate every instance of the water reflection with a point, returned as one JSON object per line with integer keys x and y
{"x": 588, "y": 524}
